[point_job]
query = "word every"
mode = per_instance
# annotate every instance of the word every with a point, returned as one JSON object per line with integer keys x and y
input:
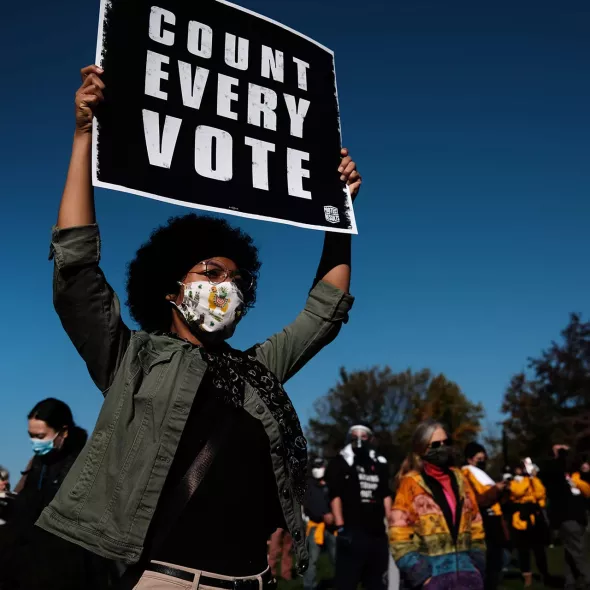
{"x": 213, "y": 154}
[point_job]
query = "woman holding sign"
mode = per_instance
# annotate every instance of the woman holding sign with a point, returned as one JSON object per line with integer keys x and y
{"x": 185, "y": 417}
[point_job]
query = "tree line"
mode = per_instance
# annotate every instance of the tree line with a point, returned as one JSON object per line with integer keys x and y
{"x": 547, "y": 404}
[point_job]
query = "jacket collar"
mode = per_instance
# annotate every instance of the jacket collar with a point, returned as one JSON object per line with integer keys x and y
{"x": 417, "y": 477}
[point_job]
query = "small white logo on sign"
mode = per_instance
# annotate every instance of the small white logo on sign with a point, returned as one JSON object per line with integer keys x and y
{"x": 331, "y": 214}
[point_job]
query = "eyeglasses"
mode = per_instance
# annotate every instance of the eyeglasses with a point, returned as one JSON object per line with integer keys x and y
{"x": 216, "y": 273}
{"x": 437, "y": 444}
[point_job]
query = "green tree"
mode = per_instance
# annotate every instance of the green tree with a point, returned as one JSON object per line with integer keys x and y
{"x": 551, "y": 403}
{"x": 443, "y": 400}
{"x": 376, "y": 397}
{"x": 392, "y": 404}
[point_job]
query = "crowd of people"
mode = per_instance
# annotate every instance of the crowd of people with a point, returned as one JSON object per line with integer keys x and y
{"x": 448, "y": 527}
{"x": 196, "y": 474}
{"x": 451, "y": 525}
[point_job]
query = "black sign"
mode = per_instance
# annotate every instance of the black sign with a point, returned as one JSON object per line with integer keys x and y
{"x": 212, "y": 106}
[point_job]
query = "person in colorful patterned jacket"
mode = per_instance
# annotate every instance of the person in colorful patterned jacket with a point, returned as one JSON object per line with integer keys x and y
{"x": 436, "y": 537}
{"x": 488, "y": 494}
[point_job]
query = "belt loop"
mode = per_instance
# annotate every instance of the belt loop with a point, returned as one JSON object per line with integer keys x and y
{"x": 196, "y": 581}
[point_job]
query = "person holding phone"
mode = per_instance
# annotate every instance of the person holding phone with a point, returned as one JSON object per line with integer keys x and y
{"x": 490, "y": 495}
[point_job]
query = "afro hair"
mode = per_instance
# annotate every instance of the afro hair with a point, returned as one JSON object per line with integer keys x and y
{"x": 171, "y": 252}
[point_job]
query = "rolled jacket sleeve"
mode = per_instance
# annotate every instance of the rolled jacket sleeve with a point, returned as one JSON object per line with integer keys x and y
{"x": 75, "y": 246}
{"x": 317, "y": 325}
{"x": 87, "y": 306}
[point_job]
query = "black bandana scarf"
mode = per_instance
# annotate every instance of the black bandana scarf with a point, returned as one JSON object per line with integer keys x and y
{"x": 231, "y": 370}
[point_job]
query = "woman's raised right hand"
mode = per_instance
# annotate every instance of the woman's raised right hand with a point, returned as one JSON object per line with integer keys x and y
{"x": 88, "y": 97}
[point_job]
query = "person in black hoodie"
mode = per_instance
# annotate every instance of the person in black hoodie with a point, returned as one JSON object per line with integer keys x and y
{"x": 28, "y": 554}
{"x": 320, "y": 524}
{"x": 566, "y": 494}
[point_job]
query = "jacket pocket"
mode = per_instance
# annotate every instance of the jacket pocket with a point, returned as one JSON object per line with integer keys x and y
{"x": 144, "y": 377}
{"x": 154, "y": 368}
{"x": 89, "y": 469}
{"x": 138, "y": 438}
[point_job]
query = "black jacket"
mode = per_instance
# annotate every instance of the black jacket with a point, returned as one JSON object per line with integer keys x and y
{"x": 316, "y": 503}
{"x": 563, "y": 505}
{"x": 43, "y": 479}
{"x": 31, "y": 559}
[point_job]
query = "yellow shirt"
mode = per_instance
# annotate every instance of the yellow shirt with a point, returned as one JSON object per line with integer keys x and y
{"x": 528, "y": 490}
{"x": 319, "y": 531}
{"x": 480, "y": 488}
{"x": 583, "y": 486}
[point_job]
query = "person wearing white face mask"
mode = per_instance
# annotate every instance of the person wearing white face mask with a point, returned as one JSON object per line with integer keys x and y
{"x": 186, "y": 416}
{"x": 320, "y": 525}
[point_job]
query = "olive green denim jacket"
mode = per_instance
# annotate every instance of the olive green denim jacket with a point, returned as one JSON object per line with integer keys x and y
{"x": 149, "y": 381}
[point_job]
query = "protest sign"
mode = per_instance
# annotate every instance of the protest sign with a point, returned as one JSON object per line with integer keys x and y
{"x": 212, "y": 106}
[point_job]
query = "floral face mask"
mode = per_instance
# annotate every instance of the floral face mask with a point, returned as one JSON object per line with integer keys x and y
{"x": 211, "y": 311}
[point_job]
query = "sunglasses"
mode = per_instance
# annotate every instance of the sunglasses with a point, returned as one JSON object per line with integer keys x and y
{"x": 437, "y": 444}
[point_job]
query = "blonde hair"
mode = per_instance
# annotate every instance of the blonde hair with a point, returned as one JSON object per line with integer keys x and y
{"x": 420, "y": 443}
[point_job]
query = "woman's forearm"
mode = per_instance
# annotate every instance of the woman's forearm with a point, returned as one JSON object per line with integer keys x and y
{"x": 77, "y": 202}
{"x": 335, "y": 264}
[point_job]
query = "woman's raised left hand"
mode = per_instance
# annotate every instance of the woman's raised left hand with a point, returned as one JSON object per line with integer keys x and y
{"x": 349, "y": 173}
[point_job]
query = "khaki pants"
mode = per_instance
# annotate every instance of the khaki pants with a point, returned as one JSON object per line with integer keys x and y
{"x": 156, "y": 581}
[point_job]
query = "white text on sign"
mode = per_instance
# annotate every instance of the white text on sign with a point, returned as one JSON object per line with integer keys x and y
{"x": 214, "y": 146}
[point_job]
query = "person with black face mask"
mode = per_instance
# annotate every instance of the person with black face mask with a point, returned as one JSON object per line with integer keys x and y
{"x": 488, "y": 494}
{"x": 436, "y": 536}
{"x": 566, "y": 493}
{"x": 529, "y": 531}
{"x": 361, "y": 501}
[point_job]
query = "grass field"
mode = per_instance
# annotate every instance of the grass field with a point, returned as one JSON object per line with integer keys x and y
{"x": 512, "y": 579}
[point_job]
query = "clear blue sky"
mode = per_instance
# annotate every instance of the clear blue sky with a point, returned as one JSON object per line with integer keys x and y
{"x": 471, "y": 125}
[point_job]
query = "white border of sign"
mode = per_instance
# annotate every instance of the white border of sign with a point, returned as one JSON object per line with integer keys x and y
{"x": 97, "y": 183}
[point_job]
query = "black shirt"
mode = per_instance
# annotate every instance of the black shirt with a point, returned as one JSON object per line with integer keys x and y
{"x": 362, "y": 487}
{"x": 316, "y": 503}
{"x": 43, "y": 479}
{"x": 563, "y": 504}
{"x": 225, "y": 526}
